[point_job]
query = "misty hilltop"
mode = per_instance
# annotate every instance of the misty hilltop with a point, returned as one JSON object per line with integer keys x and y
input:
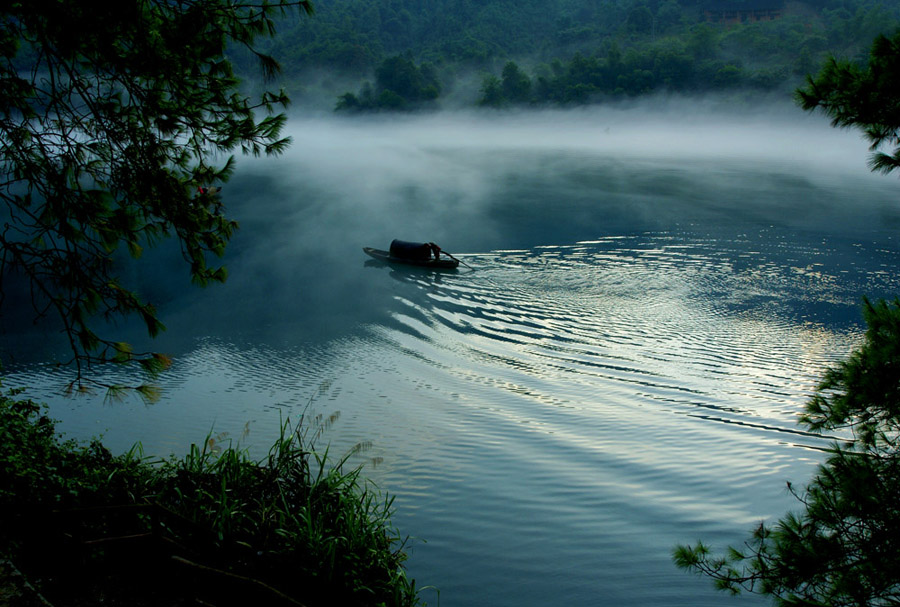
{"x": 410, "y": 54}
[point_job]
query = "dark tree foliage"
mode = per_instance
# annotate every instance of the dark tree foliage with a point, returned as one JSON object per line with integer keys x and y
{"x": 401, "y": 76}
{"x": 640, "y": 20}
{"x": 514, "y": 88}
{"x": 516, "y": 84}
{"x": 865, "y": 97}
{"x": 492, "y": 93}
{"x": 400, "y": 85}
{"x": 113, "y": 115}
{"x": 843, "y": 549}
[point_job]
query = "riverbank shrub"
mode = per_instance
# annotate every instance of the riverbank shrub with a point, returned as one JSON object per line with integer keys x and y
{"x": 289, "y": 525}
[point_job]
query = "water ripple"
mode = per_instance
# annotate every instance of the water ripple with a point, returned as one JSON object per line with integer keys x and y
{"x": 593, "y": 403}
{"x": 665, "y": 321}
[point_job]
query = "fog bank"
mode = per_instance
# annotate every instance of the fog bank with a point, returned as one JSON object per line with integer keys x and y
{"x": 481, "y": 181}
{"x": 475, "y": 178}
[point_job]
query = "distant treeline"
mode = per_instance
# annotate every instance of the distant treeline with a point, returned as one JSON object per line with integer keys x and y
{"x": 407, "y": 54}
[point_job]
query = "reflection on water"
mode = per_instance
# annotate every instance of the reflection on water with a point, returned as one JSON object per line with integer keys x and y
{"x": 553, "y": 420}
{"x": 620, "y": 371}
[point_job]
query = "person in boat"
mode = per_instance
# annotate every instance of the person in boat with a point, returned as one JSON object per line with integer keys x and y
{"x": 421, "y": 251}
{"x": 435, "y": 249}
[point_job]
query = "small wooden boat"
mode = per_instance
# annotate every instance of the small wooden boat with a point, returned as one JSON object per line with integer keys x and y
{"x": 435, "y": 264}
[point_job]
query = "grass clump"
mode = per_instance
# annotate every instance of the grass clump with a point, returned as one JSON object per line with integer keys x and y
{"x": 215, "y": 526}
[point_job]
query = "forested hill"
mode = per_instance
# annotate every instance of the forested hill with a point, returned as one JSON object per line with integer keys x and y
{"x": 410, "y": 54}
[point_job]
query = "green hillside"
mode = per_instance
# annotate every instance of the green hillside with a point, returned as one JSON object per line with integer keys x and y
{"x": 411, "y": 54}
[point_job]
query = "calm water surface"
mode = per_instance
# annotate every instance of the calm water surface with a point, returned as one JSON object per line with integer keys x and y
{"x": 649, "y": 303}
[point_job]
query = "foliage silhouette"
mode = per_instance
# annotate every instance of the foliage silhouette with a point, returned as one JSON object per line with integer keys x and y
{"x": 299, "y": 523}
{"x": 399, "y": 85}
{"x": 113, "y": 116}
{"x": 864, "y": 97}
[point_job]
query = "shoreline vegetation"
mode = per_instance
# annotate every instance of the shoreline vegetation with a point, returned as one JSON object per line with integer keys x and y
{"x": 406, "y": 56}
{"x": 215, "y": 527}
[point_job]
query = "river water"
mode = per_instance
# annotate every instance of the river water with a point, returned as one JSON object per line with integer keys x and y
{"x": 648, "y": 299}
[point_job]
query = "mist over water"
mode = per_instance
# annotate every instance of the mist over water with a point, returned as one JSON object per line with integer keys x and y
{"x": 477, "y": 183}
{"x": 654, "y": 292}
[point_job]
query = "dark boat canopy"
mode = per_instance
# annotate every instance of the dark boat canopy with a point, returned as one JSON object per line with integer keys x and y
{"x": 410, "y": 250}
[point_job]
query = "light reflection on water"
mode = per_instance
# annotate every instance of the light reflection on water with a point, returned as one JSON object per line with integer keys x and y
{"x": 554, "y": 420}
{"x": 653, "y": 299}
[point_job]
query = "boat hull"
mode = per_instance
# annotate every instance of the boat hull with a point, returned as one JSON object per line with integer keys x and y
{"x": 435, "y": 264}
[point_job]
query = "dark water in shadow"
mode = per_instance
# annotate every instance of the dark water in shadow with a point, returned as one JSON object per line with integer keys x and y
{"x": 649, "y": 304}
